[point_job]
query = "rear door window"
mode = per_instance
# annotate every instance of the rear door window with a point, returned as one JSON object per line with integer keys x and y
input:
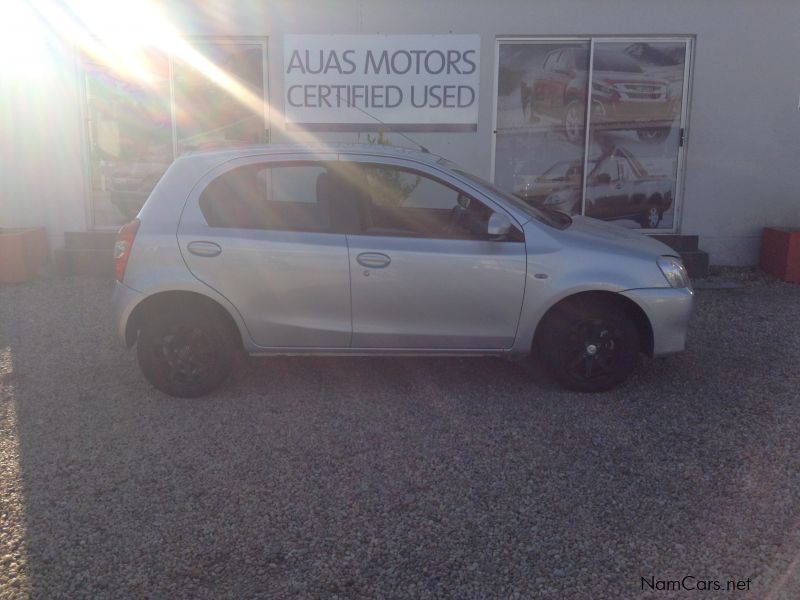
{"x": 283, "y": 197}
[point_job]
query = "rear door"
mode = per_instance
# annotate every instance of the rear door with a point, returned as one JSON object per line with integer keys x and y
{"x": 259, "y": 232}
{"x": 425, "y": 275}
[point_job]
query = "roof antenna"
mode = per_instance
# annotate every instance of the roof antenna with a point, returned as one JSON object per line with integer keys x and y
{"x": 400, "y": 133}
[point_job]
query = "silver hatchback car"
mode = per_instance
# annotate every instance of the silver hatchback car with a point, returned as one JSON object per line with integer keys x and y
{"x": 355, "y": 250}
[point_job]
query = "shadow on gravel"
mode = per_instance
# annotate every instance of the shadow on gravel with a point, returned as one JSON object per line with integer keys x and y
{"x": 399, "y": 477}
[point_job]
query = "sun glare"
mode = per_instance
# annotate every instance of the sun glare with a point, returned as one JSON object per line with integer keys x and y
{"x": 120, "y": 35}
{"x": 23, "y": 43}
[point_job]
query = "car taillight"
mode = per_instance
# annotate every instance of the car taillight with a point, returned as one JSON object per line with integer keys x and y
{"x": 123, "y": 245}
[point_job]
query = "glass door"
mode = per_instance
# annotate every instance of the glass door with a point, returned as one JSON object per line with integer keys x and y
{"x": 619, "y": 161}
{"x": 129, "y": 134}
{"x": 139, "y": 120}
{"x": 635, "y": 132}
{"x": 219, "y": 96}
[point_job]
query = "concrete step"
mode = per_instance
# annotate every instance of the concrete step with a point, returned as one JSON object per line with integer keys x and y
{"x": 696, "y": 262}
{"x": 681, "y": 243}
{"x": 87, "y": 253}
{"x": 84, "y": 262}
{"x": 90, "y": 240}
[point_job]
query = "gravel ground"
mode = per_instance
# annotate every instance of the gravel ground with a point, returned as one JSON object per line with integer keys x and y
{"x": 388, "y": 478}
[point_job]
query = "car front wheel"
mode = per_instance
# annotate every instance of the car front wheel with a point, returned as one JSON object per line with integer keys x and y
{"x": 651, "y": 218}
{"x": 185, "y": 353}
{"x": 588, "y": 345}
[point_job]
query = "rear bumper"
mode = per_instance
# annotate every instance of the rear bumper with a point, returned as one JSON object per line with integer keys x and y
{"x": 668, "y": 310}
{"x": 124, "y": 300}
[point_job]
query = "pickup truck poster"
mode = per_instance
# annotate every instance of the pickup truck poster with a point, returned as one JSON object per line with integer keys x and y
{"x": 412, "y": 82}
{"x": 633, "y": 135}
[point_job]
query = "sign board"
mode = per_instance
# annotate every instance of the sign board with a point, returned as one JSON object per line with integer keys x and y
{"x": 410, "y": 82}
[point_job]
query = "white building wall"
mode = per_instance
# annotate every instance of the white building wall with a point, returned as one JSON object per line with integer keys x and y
{"x": 744, "y": 128}
{"x": 41, "y": 151}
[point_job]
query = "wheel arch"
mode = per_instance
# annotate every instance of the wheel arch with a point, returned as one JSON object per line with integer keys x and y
{"x": 633, "y": 310}
{"x": 184, "y": 300}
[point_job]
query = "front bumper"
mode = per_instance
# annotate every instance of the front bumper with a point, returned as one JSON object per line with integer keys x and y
{"x": 668, "y": 310}
{"x": 124, "y": 300}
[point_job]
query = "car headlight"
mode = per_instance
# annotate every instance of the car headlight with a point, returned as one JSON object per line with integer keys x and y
{"x": 674, "y": 272}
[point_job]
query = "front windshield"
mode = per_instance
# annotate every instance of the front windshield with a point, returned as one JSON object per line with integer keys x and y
{"x": 551, "y": 218}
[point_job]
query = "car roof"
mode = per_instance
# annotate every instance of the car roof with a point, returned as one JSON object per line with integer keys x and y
{"x": 220, "y": 155}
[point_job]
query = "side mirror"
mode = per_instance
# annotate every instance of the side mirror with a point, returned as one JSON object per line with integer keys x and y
{"x": 499, "y": 225}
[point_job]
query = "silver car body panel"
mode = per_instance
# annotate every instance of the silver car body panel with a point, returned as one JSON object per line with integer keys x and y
{"x": 669, "y": 311}
{"x": 436, "y": 293}
{"x": 441, "y": 297}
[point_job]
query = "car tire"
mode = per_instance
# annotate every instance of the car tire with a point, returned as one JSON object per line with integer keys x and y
{"x": 651, "y": 218}
{"x": 588, "y": 345}
{"x": 653, "y": 134}
{"x": 185, "y": 353}
{"x": 574, "y": 117}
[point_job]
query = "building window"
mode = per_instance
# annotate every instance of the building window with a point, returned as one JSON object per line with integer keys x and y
{"x": 593, "y": 126}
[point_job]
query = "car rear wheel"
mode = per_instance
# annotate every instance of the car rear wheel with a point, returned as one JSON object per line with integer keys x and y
{"x": 185, "y": 353}
{"x": 588, "y": 345}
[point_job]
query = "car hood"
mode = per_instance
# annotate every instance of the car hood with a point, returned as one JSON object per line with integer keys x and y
{"x": 593, "y": 230}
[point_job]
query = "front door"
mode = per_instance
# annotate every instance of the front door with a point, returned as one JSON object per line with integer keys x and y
{"x": 424, "y": 273}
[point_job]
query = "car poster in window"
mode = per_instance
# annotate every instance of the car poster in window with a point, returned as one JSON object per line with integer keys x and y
{"x": 634, "y": 127}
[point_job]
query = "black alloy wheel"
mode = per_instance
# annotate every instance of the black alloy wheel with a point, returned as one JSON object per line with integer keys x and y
{"x": 185, "y": 355}
{"x": 589, "y": 347}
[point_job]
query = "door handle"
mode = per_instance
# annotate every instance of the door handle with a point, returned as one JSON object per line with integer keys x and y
{"x": 373, "y": 260}
{"x": 207, "y": 249}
